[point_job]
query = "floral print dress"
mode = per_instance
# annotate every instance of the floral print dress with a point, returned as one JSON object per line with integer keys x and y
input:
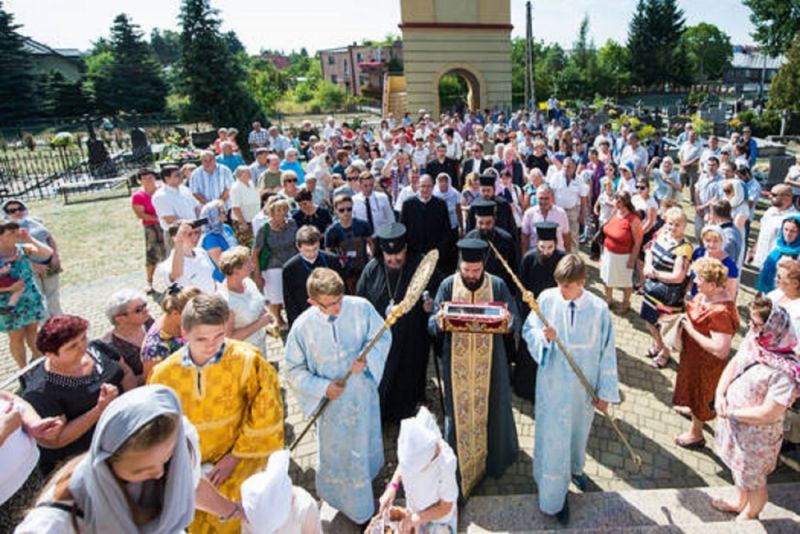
{"x": 751, "y": 451}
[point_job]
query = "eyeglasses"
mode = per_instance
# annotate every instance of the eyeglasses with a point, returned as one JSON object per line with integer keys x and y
{"x": 15, "y": 210}
{"x": 291, "y": 180}
{"x": 138, "y": 309}
{"x": 344, "y": 210}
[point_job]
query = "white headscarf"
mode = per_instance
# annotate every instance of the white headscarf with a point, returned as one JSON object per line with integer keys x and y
{"x": 267, "y": 496}
{"x": 98, "y": 492}
{"x": 417, "y": 441}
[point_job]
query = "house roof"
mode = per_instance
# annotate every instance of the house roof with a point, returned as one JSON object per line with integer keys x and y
{"x": 38, "y": 49}
{"x": 749, "y": 57}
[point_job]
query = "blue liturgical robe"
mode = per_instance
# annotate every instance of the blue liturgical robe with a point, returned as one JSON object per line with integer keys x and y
{"x": 564, "y": 409}
{"x": 320, "y": 349}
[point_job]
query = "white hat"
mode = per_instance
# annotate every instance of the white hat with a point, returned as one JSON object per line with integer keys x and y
{"x": 417, "y": 441}
{"x": 267, "y": 495}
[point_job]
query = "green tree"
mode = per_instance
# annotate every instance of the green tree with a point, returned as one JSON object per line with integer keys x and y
{"x": 654, "y": 36}
{"x": 709, "y": 50}
{"x": 65, "y": 98}
{"x": 266, "y": 83}
{"x": 125, "y": 75}
{"x": 784, "y": 92}
{"x": 166, "y": 45}
{"x": 613, "y": 62}
{"x": 212, "y": 76}
{"x": 17, "y": 83}
{"x": 777, "y": 23}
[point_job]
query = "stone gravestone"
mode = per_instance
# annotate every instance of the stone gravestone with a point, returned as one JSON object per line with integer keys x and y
{"x": 100, "y": 164}
{"x": 778, "y": 169}
{"x": 140, "y": 147}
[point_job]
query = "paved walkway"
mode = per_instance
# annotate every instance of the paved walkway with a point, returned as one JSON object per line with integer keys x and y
{"x": 645, "y": 416}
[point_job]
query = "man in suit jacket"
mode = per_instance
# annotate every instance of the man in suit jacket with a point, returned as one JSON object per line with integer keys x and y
{"x": 474, "y": 164}
{"x": 511, "y": 162}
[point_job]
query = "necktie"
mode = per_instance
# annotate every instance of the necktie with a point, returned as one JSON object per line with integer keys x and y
{"x": 572, "y": 313}
{"x": 369, "y": 214}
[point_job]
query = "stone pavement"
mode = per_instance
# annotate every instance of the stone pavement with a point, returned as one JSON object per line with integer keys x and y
{"x": 645, "y": 416}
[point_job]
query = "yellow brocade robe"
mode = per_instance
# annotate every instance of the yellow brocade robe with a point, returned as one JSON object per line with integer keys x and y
{"x": 235, "y": 404}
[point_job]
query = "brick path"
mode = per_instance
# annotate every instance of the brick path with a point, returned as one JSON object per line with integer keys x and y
{"x": 645, "y": 416}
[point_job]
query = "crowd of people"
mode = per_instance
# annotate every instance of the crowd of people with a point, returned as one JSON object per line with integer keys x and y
{"x": 176, "y": 421}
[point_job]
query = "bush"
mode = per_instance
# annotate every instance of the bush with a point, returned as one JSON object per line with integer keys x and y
{"x": 768, "y": 123}
{"x": 62, "y": 140}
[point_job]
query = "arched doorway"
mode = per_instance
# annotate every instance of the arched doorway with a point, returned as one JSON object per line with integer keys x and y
{"x": 459, "y": 90}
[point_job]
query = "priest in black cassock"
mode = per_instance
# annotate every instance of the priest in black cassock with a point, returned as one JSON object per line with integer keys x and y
{"x": 384, "y": 282}
{"x": 503, "y": 215}
{"x": 428, "y": 225}
{"x": 481, "y": 431}
{"x": 536, "y": 274}
{"x": 486, "y": 229}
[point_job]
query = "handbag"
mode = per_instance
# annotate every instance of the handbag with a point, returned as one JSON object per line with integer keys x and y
{"x": 265, "y": 253}
{"x": 669, "y": 325}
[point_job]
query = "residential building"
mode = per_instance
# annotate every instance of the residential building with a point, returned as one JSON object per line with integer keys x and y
{"x": 360, "y": 68}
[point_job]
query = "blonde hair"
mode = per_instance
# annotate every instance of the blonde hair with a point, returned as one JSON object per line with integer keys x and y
{"x": 570, "y": 269}
{"x": 711, "y": 270}
{"x": 470, "y": 180}
{"x": 277, "y": 203}
{"x": 324, "y": 282}
{"x": 675, "y": 214}
{"x": 233, "y": 258}
{"x": 287, "y": 174}
{"x": 792, "y": 267}
{"x": 177, "y": 301}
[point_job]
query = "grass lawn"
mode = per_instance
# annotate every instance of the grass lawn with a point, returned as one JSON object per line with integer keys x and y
{"x": 96, "y": 239}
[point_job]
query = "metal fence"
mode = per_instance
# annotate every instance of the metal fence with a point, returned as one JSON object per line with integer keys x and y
{"x": 41, "y": 173}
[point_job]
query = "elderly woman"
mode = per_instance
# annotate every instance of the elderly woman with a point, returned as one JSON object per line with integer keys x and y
{"x": 292, "y": 163}
{"x": 274, "y": 245}
{"x": 714, "y": 239}
{"x": 126, "y": 310}
{"x": 245, "y": 203}
{"x": 623, "y": 240}
{"x": 72, "y": 384}
{"x": 46, "y": 268}
{"x": 756, "y": 388}
{"x": 667, "y": 179}
{"x": 710, "y": 323}
{"x": 787, "y": 244}
{"x": 665, "y": 270}
{"x": 141, "y": 474}
{"x": 164, "y": 336}
{"x": 249, "y": 314}
{"x": 20, "y": 323}
{"x": 787, "y": 294}
{"x": 289, "y": 188}
{"x": 217, "y": 235}
{"x": 534, "y": 180}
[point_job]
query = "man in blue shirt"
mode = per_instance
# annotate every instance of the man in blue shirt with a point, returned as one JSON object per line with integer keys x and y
{"x": 292, "y": 163}
{"x": 228, "y": 157}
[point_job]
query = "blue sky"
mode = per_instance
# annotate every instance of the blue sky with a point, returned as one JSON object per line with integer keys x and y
{"x": 316, "y": 24}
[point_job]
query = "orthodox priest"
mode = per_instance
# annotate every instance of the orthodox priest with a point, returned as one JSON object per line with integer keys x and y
{"x": 485, "y": 212}
{"x": 503, "y": 215}
{"x": 564, "y": 410}
{"x": 384, "y": 282}
{"x": 481, "y": 430}
{"x": 536, "y": 272}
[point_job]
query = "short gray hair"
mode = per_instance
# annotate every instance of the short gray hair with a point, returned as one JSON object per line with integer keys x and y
{"x": 544, "y": 188}
{"x": 118, "y": 302}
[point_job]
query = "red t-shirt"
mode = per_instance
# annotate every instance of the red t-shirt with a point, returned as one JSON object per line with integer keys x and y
{"x": 140, "y": 198}
{"x": 618, "y": 233}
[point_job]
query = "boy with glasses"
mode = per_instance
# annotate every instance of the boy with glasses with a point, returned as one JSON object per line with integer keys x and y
{"x": 350, "y": 239}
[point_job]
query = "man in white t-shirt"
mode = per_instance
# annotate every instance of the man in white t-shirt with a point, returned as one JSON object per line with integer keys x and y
{"x": 771, "y": 223}
{"x": 188, "y": 265}
{"x": 174, "y": 201}
{"x": 571, "y": 195}
{"x": 636, "y": 153}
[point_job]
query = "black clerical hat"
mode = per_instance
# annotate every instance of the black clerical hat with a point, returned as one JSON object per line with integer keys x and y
{"x": 546, "y": 231}
{"x": 391, "y": 237}
{"x": 472, "y": 250}
{"x": 484, "y": 208}
{"x": 488, "y": 178}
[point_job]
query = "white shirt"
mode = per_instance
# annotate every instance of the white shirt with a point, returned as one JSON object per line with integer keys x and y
{"x": 175, "y": 202}
{"x": 259, "y": 220}
{"x": 568, "y": 195}
{"x": 420, "y": 156}
{"x": 246, "y": 198}
{"x": 771, "y": 223}
{"x": 639, "y": 158}
{"x": 689, "y": 151}
{"x": 247, "y": 307}
{"x": 18, "y": 456}
{"x": 437, "y": 482}
{"x": 404, "y": 194}
{"x": 382, "y": 212}
{"x": 198, "y": 271}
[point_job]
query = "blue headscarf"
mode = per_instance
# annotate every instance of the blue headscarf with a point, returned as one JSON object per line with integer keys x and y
{"x": 766, "y": 278}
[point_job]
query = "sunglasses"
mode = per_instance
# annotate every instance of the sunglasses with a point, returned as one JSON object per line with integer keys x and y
{"x": 138, "y": 309}
{"x": 640, "y": 187}
{"x": 291, "y": 180}
{"x": 15, "y": 210}
{"x": 344, "y": 210}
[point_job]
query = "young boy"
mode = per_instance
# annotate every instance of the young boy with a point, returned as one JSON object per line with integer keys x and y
{"x": 564, "y": 410}
{"x": 427, "y": 469}
{"x": 231, "y": 394}
{"x": 323, "y": 344}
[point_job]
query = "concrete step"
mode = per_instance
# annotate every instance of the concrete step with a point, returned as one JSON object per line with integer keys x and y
{"x": 633, "y": 512}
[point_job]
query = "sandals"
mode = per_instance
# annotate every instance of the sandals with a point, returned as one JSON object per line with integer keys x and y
{"x": 698, "y": 444}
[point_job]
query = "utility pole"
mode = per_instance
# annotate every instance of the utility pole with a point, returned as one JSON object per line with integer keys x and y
{"x": 530, "y": 89}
